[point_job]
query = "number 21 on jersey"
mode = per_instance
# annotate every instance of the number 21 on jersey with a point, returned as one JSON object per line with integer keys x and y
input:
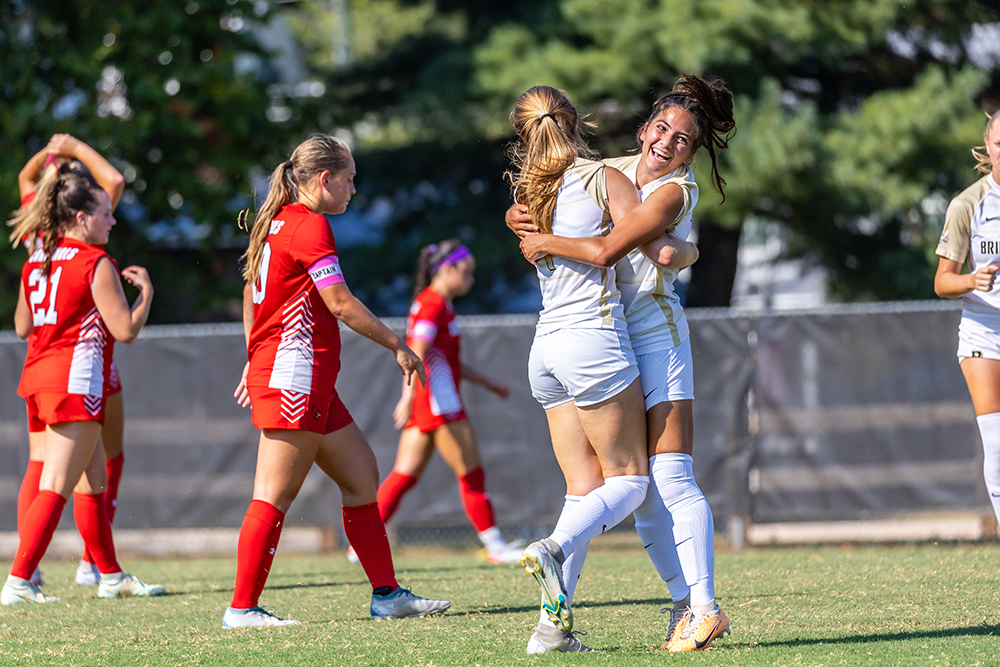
{"x": 41, "y": 285}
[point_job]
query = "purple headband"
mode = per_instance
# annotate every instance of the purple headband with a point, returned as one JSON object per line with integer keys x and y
{"x": 455, "y": 256}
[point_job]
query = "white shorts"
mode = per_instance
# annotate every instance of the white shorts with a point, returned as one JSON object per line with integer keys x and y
{"x": 977, "y": 340}
{"x": 667, "y": 375}
{"x": 586, "y": 366}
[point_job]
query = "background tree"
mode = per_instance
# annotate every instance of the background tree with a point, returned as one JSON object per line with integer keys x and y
{"x": 855, "y": 116}
{"x": 176, "y": 95}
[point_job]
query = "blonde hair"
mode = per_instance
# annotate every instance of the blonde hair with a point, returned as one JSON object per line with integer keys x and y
{"x": 983, "y": 164}
{"x": 548, "y": 144}
{"x": 318, "y": 153}
{"x": 61, "y": 193}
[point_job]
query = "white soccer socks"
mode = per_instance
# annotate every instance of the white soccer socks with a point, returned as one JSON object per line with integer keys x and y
{"x": 599, "y": 510}
{"x": 989, "y": 431}
{"x": 656, "y": 530}
{"x": 573, "y": 564}
{"x": 694, "y": 532}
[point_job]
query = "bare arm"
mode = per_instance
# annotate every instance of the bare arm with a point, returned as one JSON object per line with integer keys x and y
{"x": 950, "y": 283}
{"x": 346, "y": 308}
{"x": 24, "y": 324}
{"x": 637, "y": 226}
{"x": 31, "y": 173}
{"x": 123, "y": 323}
{"x": 670, "y": 252}
{"x": 109, "y": 178}
{"x": 470, "y": 374}
{"x": 241, "y": 394}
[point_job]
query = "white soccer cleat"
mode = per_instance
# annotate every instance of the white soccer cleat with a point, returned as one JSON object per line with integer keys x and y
{"x": 28, "y": 593}
{"x": 129, "y": 585}
{"x": 547, "y": 639}
{"x": 254, "y": 617}
{"x": 87, "y": 574}
{"x": 401, "y": 603}
{"x": 541, "y": 564}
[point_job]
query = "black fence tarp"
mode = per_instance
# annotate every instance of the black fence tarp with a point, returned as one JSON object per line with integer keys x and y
{"x": 838, "y": 413}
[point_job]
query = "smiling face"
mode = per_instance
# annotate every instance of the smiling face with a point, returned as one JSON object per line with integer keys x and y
{"x": 668, "y": 142}
{"x": 95, "y": 227}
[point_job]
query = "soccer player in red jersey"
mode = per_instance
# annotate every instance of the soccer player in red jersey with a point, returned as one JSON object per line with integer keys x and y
{"x": 433, "y": 416}
{"x": 294, "y": 302}
{"x": 62, "y": 147}
{"x": 71, "y": 306}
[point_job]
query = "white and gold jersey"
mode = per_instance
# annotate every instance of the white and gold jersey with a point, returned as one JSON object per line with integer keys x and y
{"x": 653, "y": 311}
{"x": 575, "y": 294}
{"x": 972, "y": 235}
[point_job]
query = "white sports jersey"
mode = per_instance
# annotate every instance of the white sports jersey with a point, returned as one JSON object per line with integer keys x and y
{"x": 653, "y": 310}
{"x": 574, "y": 294}
{"x": 972, "y": 235}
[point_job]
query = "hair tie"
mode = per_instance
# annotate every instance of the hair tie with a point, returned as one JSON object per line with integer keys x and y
{"x": 288, "y": 163}
{"x": 542, "y": 117}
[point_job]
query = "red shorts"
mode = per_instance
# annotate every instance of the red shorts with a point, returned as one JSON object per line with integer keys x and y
{"x": 424, "y": 418}
{"x": 48, "y": 409}
{"x": 114, "y": 383}
{"x": 289, "y": 410}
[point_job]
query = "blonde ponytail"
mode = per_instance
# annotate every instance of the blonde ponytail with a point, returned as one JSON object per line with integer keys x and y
{"x": 318, "y": 153}
{"x": 548, "y": 144}
{"x": 983, "y": 164}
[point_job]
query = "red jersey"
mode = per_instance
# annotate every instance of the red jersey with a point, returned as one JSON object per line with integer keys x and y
{"x": 295, "y": 340}
{"x": 432, "y": 320}
{"x": 70, "y": 349}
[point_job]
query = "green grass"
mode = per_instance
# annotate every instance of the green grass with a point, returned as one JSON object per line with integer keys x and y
{"x": 928, "y": 605}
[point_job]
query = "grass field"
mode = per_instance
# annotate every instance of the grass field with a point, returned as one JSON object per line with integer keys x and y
{"x": 925, "y": 605}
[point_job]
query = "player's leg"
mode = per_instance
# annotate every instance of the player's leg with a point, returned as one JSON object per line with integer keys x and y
{"x": 69, "y": 447}
{"x": 29, "y": 485}
{"x": 284, "y": 458}
{"x": 983, "y": 377}
{"x": 412, "y": 455}
{"x": 582, "y": 470}
{"x": 112, "y": 440}
{"x": 457, "y": 445}
{"x": 345, "y": 456}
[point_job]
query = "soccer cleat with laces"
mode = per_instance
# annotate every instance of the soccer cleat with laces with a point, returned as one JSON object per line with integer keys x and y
{"x": 547, "y": 639}
{"x": 700, "y": 629}
{"x": 27, "y": 593}
{"x": 129, "y": 585}
{"x": 679, "y": 617}
{"x": 401, "y": 603}
{"x": 541, "y": 564}
{"x": 254, "y": 617}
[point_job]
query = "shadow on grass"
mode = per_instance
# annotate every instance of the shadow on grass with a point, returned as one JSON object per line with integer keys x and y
{"x": 661, "y": 602}
{"x": 974, "y": 630}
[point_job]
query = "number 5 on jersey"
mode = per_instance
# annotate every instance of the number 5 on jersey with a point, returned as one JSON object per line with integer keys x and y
{"x": 41, "y": 285}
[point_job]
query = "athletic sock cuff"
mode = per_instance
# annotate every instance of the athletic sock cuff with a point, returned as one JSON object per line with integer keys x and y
{"x": 360, "y": 513}
{"x": 265, "y": 512}
{"x": 474, "y": 480}
{"x": 53, "y": 496}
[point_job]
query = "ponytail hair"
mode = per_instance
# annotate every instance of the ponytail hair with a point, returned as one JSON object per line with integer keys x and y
{"x": 983, "y": 164}
{"x": 318, "y": 153}
{"x": 62, "y": 192}
{"x": 711, "y": 105}
{"x": 548, "y": 144}
{"x": 430, "y": 262}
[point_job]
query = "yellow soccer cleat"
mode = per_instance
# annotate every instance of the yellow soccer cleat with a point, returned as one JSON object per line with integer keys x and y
{"x": 700, "y": 629}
